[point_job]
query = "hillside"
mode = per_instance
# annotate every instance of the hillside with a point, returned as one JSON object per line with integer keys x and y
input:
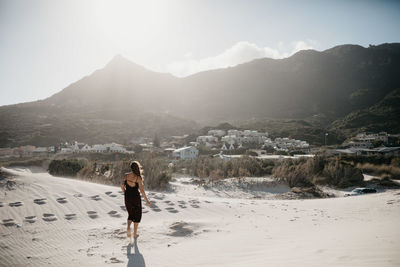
{"x": 382, "y": 116}
{"x": 124, "y": 100}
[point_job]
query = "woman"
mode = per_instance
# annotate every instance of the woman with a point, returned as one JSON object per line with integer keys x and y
{"x": 131, "y": 184}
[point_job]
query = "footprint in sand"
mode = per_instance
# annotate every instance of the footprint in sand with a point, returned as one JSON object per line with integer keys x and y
{"x": 154, "y": 206}
{"x": 40, "y": 201}
{"x": 182, "y": 206}
{"x": 123, "y": 208}
{"x": 181, "y": 202}
{"x": 172, "y": 210}
{"x": 1, "y": 204}
{"x": 8, "y": 222}
{"x": 156, "y": 209}
{"x": 15, "y": 204}
{"x": 95, "y": 197}
{"x": 110, "y": 194}
{"x": 170, "y": 203}
{"x": 30, "y": 219}
{"x": 159, "y": 197}
{"x": 49, "y": 217}
{"x": 62, "y": 200}
{"x": 145, "y": 211}
{"x": 92, "y": 214}
{"x": 115, "y": 260}
{"x": 206, "y": 201}
{"x": 180, "y": 229}
{"x": 70, "y": 216}
{"x": 114, "y": 213}
{"x": 78, "y": 195}
{"x": 195, "y": 206}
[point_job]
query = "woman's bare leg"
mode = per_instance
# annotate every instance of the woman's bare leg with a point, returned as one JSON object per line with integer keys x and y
{"x": 128, "y": 229}
{"x": 135, "y": 226}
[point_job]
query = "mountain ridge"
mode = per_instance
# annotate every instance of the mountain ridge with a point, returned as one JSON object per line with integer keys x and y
{"x": 331, "y": 84}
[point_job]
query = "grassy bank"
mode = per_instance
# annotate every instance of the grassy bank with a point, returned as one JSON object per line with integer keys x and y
{"x": 319, "y": 170}
{"x": 217, "y": 168}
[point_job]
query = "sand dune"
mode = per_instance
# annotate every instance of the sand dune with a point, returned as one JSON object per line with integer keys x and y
{"x": 55, "y": 221}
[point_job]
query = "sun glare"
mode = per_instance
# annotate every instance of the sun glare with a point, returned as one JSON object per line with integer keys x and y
{"x": 129, "y": 23}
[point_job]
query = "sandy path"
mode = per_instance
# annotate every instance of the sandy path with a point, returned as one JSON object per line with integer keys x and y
{"x": 65, "y": 222}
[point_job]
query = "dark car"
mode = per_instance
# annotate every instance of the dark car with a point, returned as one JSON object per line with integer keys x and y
{"x": 361, "y": 191}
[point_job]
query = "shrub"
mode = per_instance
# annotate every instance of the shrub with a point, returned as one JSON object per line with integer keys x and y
{"x": 156, "y": 173}
{"x": 317, "y": 170}
{"x": 66, "y": 167}
{"x": 341, "y": 175}
{"x": 379, "y": 170}
{"x": 293, "y": 173}
{"x": 217, "y": 168}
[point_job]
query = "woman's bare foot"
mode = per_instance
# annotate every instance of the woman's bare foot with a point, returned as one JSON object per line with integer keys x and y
{"x": 128, "y": 232}
{"x": 135, "y": 236}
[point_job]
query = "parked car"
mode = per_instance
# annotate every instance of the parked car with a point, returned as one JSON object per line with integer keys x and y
{"x": 361, "y": 191}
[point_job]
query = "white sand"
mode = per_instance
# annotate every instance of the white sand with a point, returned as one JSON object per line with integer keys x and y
{"x": 192, "y": 229}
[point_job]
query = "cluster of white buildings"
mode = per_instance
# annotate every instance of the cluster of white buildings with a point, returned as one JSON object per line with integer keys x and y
{"x": 233, "y": 139}
{"x": 230, "y": 139}
{"x": 77, "y": 147}
{"x": 365, "y": 140}
{"x": 286, "y": 144}
{"x": 186, "y": 152}
{"x": 363, "y": 144}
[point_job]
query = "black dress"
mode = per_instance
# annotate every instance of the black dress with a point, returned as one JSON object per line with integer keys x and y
{"x": 133, "y": 202}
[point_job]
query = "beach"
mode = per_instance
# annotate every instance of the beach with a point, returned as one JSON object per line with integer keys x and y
{"x": 55, "y": 221}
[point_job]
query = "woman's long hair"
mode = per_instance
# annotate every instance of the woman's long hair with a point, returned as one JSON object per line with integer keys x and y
{"x": 137, "y": 169}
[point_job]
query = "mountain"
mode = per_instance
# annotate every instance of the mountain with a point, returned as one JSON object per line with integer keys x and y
{"x": 124, "y": 100}
{"x": 333, "y": 82}
{"x": 382, "y": 116}
{"x": 121, "y": 83}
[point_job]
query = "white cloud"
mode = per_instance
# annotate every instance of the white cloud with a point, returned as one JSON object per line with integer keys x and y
{"x": 239, "y": 53}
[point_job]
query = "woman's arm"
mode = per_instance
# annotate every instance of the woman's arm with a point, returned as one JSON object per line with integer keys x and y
{"x": 139, "y": 181}
{"x": 123, "y": 184}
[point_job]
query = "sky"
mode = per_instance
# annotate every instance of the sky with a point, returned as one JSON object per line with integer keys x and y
{"x": 46, "y": 45}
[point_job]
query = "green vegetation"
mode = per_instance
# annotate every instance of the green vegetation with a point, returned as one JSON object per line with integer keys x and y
{"x": 68, "y": 168}
{"x": 382, "y": 116}
{"x": 318, "y": 170}
{"x": 383, "y": 170}
{"x": 217, "y": 168}
{"x": 45, "y": 126}
{"x": 156, "y": 173}
{"x": 377, "y": 165}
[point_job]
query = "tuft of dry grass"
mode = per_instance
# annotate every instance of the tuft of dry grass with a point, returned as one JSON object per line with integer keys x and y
{"x": 383, "y": 169}
{"x": 317, "y": 170}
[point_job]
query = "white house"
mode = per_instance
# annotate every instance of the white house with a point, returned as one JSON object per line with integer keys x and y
{"x": 76, "y": 147}
{"x": 224, "y": 147}
{"x": 113, "y": 147}
{"x": 187, "y": 152}
{"x": 86, "y": 148}
{"x": 234, "y": 132}
{"x": 206, "y": 138}
{"x": 99, "y": 148}
{"x": 216, "y": 132}
{"x": 230, "y": 139}
{"x": 66, "y": 150}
